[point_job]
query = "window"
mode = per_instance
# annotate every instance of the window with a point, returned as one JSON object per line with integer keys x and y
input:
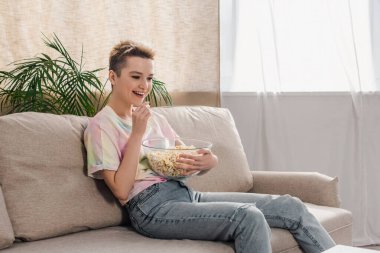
{"x": 296, "y": 45}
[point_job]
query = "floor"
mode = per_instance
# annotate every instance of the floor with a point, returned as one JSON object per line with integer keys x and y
{"x": 373, "y": 247}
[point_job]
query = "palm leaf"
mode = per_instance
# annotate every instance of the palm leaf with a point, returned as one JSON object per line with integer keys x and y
{"x": 60, "y": 85}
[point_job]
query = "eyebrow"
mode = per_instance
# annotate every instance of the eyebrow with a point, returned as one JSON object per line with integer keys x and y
{"x": 137, "y": 72}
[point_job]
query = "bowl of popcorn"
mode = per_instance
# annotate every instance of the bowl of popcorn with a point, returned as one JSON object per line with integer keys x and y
{"x": 162, "y": 154}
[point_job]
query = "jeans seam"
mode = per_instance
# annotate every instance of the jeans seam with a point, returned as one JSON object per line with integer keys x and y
{"x": 299, "y": 224}
{"x": 213, "y": 216}
{"x": 241, "y": 244}
{"x": 209, "y": 216}
{"x": 229, "y": 219}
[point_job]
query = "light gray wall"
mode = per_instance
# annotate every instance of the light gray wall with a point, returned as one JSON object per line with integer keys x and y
{"x": 331, "y": 133}
{"x": 376, "y": 38}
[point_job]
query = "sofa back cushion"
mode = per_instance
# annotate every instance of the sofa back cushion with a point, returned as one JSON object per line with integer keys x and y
{"x": 43, "y": 177}
{"x": 217, "y": 126}
{"x": 6, "y": 231}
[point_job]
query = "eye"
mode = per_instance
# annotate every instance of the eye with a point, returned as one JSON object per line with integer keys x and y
{"x": 150, "y": 78}
{"x": 135, "y": 77}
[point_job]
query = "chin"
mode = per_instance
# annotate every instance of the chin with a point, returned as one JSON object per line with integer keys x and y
{"x": 134, "y": 101}
{"x": 138, "y": 103}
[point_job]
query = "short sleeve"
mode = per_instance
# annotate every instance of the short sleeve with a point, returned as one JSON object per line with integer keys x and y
{"x": 102, "y": 150}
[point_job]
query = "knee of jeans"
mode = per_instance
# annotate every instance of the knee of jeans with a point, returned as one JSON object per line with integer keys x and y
{"x": 293, "y": 203}
{"x": 251, "y": 214}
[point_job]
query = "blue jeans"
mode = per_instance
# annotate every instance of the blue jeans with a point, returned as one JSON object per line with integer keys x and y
{"x": 172, "y": 210}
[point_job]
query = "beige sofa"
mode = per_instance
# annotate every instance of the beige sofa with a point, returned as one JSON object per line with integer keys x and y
{"x": 48, "y": 204}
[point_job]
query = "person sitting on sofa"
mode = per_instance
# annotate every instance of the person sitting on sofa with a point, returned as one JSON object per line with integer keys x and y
{"x": 166, "y": 208}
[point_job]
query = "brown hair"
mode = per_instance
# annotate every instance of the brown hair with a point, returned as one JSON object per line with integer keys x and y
{"x": 126, "y": 48}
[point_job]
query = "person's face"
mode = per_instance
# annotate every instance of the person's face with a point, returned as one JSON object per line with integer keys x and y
{"x": 135, "y": 80}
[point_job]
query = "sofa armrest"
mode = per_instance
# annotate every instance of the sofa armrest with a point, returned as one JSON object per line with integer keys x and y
{"x": 311, "y": 187}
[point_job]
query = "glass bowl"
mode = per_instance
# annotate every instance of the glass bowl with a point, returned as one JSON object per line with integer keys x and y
{"x": 162, "y": 154}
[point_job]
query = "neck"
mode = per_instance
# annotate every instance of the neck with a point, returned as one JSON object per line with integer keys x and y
{"x": 123, "y": 109}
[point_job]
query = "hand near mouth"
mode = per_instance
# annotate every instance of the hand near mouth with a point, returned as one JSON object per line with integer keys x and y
{"x": 140, "y": 117}
{"x": 144, "y": 103}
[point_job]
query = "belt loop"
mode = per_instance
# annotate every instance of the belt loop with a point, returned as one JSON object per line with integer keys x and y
{"x": 131, "y": 203}
{"x": 181, "y": 183}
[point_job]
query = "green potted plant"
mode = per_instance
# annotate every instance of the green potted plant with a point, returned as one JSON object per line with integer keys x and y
{"x": 60, "y": 85}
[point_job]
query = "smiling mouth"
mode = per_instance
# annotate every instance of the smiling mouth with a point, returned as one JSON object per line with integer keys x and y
{"x": 139, "y": 93}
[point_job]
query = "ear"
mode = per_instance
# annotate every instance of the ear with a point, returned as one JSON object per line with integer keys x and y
{"x": 112, "y": 77}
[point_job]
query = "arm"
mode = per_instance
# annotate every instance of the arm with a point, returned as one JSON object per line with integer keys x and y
{"x": 121, "y": 181}
{"x": 310, "y": 187}
{"x": 193, "y": 163}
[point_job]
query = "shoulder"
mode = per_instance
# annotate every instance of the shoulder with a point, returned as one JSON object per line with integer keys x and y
{"x": 101, "y": 121}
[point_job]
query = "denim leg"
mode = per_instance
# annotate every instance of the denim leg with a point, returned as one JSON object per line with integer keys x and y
{"x": 168, "y": 214}
{"x": 280, "y": 211}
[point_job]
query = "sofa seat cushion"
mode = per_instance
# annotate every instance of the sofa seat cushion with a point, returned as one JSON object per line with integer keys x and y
{"x": 119, "y": 238}
{"x": 337, "y": 221}
{"x": 43, "y": 177}
{"x": 217, "y": 126}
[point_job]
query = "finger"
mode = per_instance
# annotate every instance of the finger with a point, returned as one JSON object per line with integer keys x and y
{"x": 141, "y": 110}
{"x": 147, "y": 108}
{"x": 190, "y": 172}
{"x": 204, "y": 151}
{"x": 186, "y": 166}
{"x": 184, "y": 160}
{"x": 142, "y": 106}
{"x": 135, "y": 109}
{"x": 145, "y": 114}
{"x": 189, "y": 162}
{"x": 192, "y": 157}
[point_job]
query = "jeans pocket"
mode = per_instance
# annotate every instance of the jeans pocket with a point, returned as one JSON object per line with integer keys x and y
{"x": 148, "y": 193}
{"x": 148, "y": 199}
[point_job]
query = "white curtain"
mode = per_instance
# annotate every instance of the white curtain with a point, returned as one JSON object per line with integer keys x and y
{"x": 306, "y": 71}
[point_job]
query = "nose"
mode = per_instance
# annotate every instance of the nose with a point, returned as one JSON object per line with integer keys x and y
{"x": 144, "y": 85}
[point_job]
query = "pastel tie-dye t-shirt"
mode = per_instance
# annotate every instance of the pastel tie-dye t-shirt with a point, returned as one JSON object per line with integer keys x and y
{"x": 106, "y": 137}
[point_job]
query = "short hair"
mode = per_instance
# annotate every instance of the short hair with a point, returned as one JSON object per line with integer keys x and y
{"x": 119, "y": 53}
